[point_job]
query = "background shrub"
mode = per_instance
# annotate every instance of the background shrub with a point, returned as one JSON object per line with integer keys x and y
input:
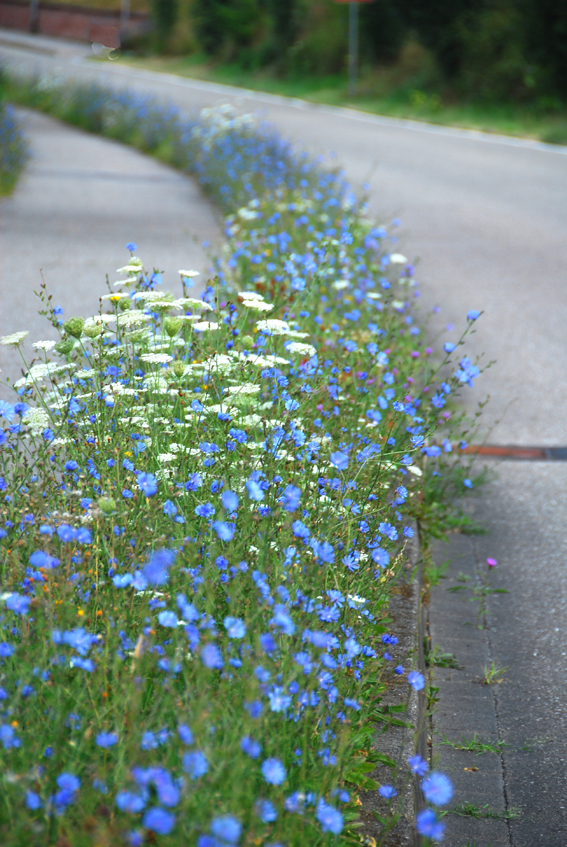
{"x": 484, "y": 49}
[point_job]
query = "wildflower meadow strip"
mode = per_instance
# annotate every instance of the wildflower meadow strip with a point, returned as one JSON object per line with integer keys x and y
{"x": 13, "y": 150}
{"x": 207, "y": 500}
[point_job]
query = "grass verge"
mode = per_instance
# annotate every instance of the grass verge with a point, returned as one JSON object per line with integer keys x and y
{"x": 403, "y": 90}
{"x": 13, "y": 150}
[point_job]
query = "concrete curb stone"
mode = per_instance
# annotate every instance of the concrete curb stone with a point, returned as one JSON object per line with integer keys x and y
{"x": 401, "y": 742}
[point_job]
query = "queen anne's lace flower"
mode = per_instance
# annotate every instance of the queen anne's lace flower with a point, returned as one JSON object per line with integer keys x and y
{"x": 132, "y": 317}
{"x": 38, "y": 372}
{"x": 205, "y": 326}
{"x": 134, "y": 266}
{"x": 150, "y": 296}
{"x": 15, "y": 339}
{"x": 37, "y": 420}
{"x": 43, "y": 345}
{"x": 247, "y": 388}
{"x": 220, "y": 362}
{"x": 193, "y": 303}
{"x": 156, "y": 358}
{"x": 250, "y": 420}
{"x": 249, "y": 295}
{"x": 156, "y": 383}
{"x": 257, "y": 305}
{"x": 274, "y": 326}
{"x": 302, "y": 349}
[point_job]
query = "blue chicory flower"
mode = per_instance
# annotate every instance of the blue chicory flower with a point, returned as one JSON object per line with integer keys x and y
{"x": 147, "y": 483}
{"x": 437, "y": 788}
{"x": 273, "y": 771}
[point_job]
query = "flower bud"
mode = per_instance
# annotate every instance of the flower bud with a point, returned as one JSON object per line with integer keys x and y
{"x": 74, "y": 327}
{"x": 64, "y": 347}
{"x": 178, "y": 368}
{"x": 247, "y": 342}
{"x": 93, "y": 330}
{"x": 107, "y": 505}
{"x": 172, "y": 326}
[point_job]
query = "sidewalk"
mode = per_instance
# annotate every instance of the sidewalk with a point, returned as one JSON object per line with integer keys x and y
{"x": 524, "y": 786}
{"x": 81, "y": 199}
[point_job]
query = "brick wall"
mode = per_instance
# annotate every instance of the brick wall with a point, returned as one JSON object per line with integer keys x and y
{"x": 82, "y": 24}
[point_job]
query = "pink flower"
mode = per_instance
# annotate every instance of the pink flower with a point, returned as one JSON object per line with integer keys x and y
{"x": 491, "y": 563}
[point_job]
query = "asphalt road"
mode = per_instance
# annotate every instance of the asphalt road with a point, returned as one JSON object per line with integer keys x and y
{"x": 487, "y": 218}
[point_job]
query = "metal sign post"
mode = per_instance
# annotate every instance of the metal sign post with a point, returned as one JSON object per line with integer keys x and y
{"x": 353, "y": 27}
{"x": 34, "y": 16}
{"x": 124, "y": 20}
{"x": 352, "y": 48}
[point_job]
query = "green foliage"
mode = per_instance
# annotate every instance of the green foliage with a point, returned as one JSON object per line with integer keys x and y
{"x": 224, "y": 28}
{"x": 436, "y": 658}
{"x": 475, "y": 745}
{"x": 492, "y": 674}
{"x": 480, "y": 589}
{"x": 439, "y": 24}
{"x": 432, "y": 573}
{"x": 472, "y": 810}
{"x": 494, "y": 64}
{"x": 296, "y": 36}
{"x": 496, "y": 49}
{"x": 546, "y": 44}
{"x": 13, "y": 148}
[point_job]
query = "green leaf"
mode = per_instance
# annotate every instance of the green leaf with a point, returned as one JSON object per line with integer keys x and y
{"x": 383, "y": 759}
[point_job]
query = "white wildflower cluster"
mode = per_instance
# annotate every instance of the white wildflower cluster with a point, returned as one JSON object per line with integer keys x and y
{"x": 301, "y": 349}
{"x": 134, "y": 267}
{"x": 205, "y": 326}
{"x": 254, "y": 301}
{"x": 247, "y": 388}
{"x": 14, "y": 340}
{"x": 43, "y": 345}
{"x": 273, "y": 326}
{"x": 37, "y": 420}
{"x": 39, "y": 372}
{"x": 222, "y": 119}
{"x": 156, "y": 358}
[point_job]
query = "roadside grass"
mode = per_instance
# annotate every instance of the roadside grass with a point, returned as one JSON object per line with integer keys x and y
{"x": 406, "y": 90}
{"x": 473, "y": 810}
{"x": 474, "y": 745}
{"x": 13, "y": 148}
